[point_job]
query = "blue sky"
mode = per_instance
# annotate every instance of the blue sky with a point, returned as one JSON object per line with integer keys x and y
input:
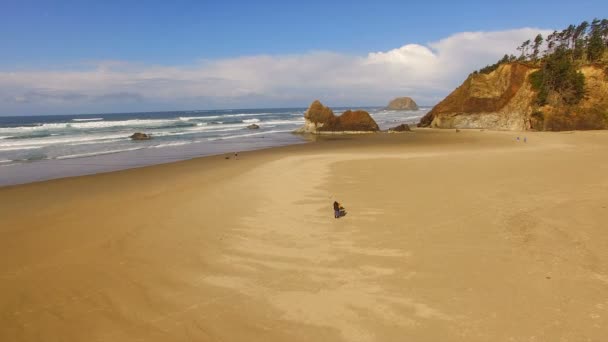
{"x": 133, "y": 38}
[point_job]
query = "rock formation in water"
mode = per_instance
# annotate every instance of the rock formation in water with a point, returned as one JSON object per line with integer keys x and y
{"x": 402, "y": 103}
{"x": 140, "y": 136}
{"x": 253, "y": 126}
{"x": 321, "y": 119}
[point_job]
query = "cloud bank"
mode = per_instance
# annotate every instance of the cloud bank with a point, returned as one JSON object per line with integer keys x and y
{"x": 425, "y": 72}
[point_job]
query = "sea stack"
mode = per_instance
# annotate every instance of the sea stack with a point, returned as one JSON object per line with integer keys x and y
{"x": 402, "y": 103}
{"x": 321, "y": 119}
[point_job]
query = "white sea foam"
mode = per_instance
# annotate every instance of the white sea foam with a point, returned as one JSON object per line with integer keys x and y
{"x": 17, "y": 148}
{"x": 285, "y": 122}
{"x": 247, "y": 135}
{"x": 389, "y": 118}
{"x": 91, "y": 119}
{"x": 133, "y": 123}
{"x": 93, "y": 142}
{"x": 246, "y": 114}
{"x": 8, "y": 145}
{"x": 90, "y": 154}
{"x": 188, "y": 118}
{"x": 62, "y": 140}
{"x": 179, "y": 143}
{"x": 173, "y": 135}
{"x": 200, "y": 130}
{"x": 217, "y": 127}
{"x": 88, "y": 125}
{"x": 225, "y": 127}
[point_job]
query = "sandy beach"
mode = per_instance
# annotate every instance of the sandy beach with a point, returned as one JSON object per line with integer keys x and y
{"x": 469, "y": 236}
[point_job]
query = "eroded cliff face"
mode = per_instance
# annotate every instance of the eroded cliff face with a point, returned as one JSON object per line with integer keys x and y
{"x": 505, "y": 100}
{"x": 590, "y": 113}
{"x": 500, "y": 100}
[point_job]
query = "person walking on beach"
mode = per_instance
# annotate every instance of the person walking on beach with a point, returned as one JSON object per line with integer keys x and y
{"x": 336, "y": 209}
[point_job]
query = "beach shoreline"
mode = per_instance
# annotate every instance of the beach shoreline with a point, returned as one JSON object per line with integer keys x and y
{"x": 468, "y": 236}
{"x": 35, "y": 148}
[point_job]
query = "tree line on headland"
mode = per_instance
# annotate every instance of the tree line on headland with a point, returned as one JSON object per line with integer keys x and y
{"x": 558, "y": 82}
{"x": 559, "y": 62}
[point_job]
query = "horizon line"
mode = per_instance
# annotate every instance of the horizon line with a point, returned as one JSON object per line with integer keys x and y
{"x": 189, "y": 110}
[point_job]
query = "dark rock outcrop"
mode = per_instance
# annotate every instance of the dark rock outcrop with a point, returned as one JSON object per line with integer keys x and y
{"x": 402, "y": 103}
{"x": 400, "y": 128}
{"x": 140, "y": 136}
{"x": 253, "y": 126}
{"x": 321, "y": 119}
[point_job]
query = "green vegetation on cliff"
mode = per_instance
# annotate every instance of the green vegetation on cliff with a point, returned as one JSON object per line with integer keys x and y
{"x": 564, "y": 98}
{"x": 582, "y": 44}
{"x": 560, "y": 77}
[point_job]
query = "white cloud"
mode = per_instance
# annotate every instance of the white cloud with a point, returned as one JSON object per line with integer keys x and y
{"x": 425, "y": 72}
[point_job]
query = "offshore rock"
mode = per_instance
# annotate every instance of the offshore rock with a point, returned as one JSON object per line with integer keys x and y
{"x": 321, "y": 119}
{"x": 140, "y": 136}
{"x": 402, "y": 103}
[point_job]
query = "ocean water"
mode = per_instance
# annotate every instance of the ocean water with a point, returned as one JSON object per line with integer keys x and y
{"x": 36, "y": 148}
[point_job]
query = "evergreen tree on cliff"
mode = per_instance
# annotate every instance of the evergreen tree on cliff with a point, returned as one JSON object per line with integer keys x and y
{"x": 561, "y": 96}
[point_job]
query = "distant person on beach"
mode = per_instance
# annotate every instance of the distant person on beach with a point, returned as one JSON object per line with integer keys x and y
{"x": 336, "y": 209}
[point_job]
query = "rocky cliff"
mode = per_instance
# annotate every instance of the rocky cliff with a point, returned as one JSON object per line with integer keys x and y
{"x": 402, "y": 103}
{"x": 499, "y": 100}
{"x": 505, "y": 100}
{"x": 321, "y": 119}
{"x": 590, "y": 113}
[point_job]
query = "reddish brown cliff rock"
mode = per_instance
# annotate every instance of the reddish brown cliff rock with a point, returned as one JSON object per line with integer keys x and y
{"x": 501, "y": 99}
{"x": 321, "y": 119}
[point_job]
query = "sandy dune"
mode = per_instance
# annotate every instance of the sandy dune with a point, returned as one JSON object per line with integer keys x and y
{"x": 448, "y": 236}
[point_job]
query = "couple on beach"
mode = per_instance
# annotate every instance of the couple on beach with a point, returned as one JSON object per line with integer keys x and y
{"x": 338, "y": 210}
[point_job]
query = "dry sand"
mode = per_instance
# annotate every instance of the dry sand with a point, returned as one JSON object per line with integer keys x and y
{"x": 449, "y": 236}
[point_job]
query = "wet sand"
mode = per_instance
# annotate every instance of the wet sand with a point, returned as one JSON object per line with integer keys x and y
{"x": 448, "y": 236}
